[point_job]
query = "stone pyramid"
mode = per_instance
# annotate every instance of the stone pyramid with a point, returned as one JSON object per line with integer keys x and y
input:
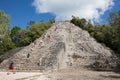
{"x": 64, "y": 45}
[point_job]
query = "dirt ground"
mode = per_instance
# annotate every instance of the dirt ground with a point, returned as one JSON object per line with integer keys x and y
{"x": 61, "y": 75}
{"x": 17, "y": 75}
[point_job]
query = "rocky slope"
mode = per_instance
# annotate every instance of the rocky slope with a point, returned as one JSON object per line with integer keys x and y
{"x": 64, "y": 45}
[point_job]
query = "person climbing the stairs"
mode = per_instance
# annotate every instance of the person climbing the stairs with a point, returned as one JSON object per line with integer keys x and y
{"x": 28, "y": 55}
{"x": 42, "y": 43}
{"x": 11, "y": 68}
{"x": 49, "y": 39}
{"x": 56, "y": 27}
{"x": 32, "y": 46}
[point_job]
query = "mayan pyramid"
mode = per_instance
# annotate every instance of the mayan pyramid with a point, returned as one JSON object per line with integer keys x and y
{"x": 64, "y": 45}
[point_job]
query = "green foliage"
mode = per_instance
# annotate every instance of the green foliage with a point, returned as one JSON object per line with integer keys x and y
{"x": 38, "y": 29}
{"x": 89, "y": 27}
{"x": 52, "y": 21}
{"x": 17, "y": 37}
{"x": 79, "y": 22}
{"x": 114, "y": 21}
{"x": 31, "y": 23}
{"x": 5, "y": 40}
{"x": 4, "y": 24}
{"x": 25, "y": 37}
{"x": 14, "y": 34}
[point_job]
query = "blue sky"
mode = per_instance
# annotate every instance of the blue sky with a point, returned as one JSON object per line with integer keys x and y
{"x": 115, "y": 8}
{"x": 22, "y": 11}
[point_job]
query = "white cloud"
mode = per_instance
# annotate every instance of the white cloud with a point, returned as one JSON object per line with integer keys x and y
{"x": 64, "y": 9}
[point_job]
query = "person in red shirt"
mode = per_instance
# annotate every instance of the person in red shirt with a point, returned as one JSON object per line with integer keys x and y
{"x": 11, "y": 67}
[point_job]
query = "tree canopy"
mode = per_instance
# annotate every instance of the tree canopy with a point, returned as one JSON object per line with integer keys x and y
{"x": 5, "y": 40}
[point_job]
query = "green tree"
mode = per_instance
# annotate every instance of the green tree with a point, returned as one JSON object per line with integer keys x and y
{"x": 14, "y": 35}
{"x": 5, "y": 40}
{"x": 79, "y": 22}
{"x": 114, "y": 21}
{"x": 90, "y": 28}
{"x": 38, "y": 29}
{"x": 52, "y": 21}
{"x": 25, "y": 37}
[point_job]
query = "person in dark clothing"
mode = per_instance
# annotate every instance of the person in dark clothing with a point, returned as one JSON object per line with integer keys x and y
{"x": 28, "y": 55}
{"x": 11, "y": 67}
